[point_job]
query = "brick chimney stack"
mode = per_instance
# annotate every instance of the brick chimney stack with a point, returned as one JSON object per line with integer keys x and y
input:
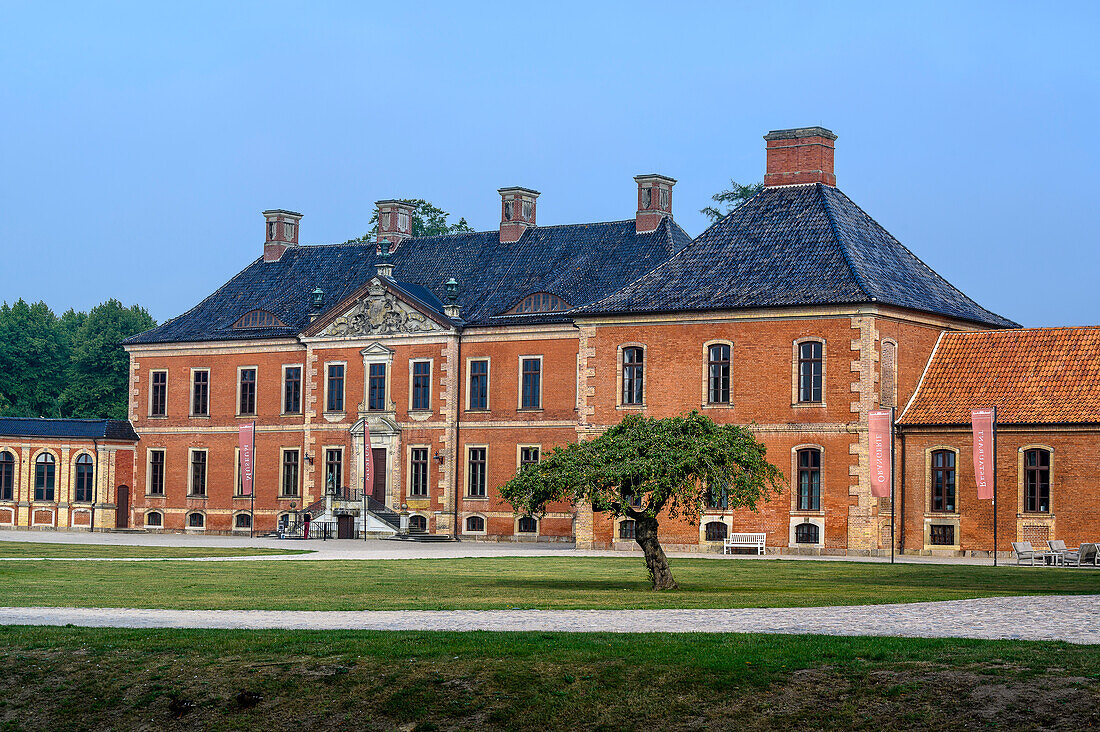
{"x": 801, "y": 155}
{"x": 394, "y": 222}
{"x": 517, "y": 212}
{"x": 654, "y": 201}
{"x": 281, "y": 233}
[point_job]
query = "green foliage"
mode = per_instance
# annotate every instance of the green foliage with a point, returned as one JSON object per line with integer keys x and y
{"x": 427, "y": 220}
{"x": 72, "y": 366}
{"x": 730, "y": 199}
{"x": 670, "y": 464}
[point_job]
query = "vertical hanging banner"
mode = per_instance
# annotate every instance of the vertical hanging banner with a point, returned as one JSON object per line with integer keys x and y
{"x": 368, "y": 462}
{"x": 247, "y": 443}
{"x": 981, "y": 420}
{"x": 881, "y": 424}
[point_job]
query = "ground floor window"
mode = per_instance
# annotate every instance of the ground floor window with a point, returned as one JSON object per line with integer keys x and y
{"x": 716, "y": 531}
{"x": 626, "y": 529}
{"x": 807, "y": 533}
{"x": 528, "y": 525}
{"x": 153, "y": 518}
{"x": 475, "y": 523}
{"x": 196, "y": 520}
{"x": 942, "y": 534}
{"x": 243, "y": 521}
{"x": 44, "y": 477}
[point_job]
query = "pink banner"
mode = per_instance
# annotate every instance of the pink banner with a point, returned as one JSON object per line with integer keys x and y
{"x": 368, "y": 461}
{"x": 881, "y": 423}
{"x": 247, "y": 441}
{"x": 982, "y": 422}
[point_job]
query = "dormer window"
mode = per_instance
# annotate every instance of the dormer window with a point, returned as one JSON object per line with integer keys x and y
{"x": 258, "y": 319}
{"x": 540, "y": 302}
{"x": 507, "y": 210}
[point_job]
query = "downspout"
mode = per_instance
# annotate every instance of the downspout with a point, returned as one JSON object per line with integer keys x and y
{"x": 95, "y": 488}
{"x": 901, "y": 490}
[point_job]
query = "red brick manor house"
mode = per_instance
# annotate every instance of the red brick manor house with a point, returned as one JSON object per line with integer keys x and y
{"x": 471, "y": 354}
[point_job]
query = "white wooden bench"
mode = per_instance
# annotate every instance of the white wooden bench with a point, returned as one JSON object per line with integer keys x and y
{"x": 744, "y": 540}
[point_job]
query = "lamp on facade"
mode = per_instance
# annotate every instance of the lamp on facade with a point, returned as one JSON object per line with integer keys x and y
{"x": 439, "y": 457}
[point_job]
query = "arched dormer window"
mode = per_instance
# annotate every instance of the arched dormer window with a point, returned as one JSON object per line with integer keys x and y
{"x": 258, "y": 319}
{"x": 540, "y": 302}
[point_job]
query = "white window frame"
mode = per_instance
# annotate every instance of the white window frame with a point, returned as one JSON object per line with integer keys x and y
{"x": 191, "y": 393}
{"x": 150, "y": 410}
{"x": 519, "y": 382}
{"x": 344, "y": 382}
{"x": 519, "y": 453}
{"x": 488, "y": 382}
{"x": 466, "y": 474}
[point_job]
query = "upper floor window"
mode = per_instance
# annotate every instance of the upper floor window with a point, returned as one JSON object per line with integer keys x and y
{"x": 718, "y": 497}
{"x": 1037, "y": 480}
{"x": 334, "y": 389}
{"x": 247, "y": 400}
{"x": 476, "y": 478}
{"x": 479, "y": 385}
{"x": 943, "y": 480}
{"x": 7, "y": 476}
{"x": 809, "y": 479}
{"x": 334, "y": 469}
{"x": 422, "y": 385}
{"x": 44, "y": 477}
{"x": 376, "y": 387}
{"x": 528, "y": 456}
{"x": 664, "y": 198}
{"x": 156, "y": 473}
{"x": 403, "y": 221}
{"x": 292, "y": 389}
{"x": 200, "y": 393}
{"x": 258, "y": 319}
{"x": 531, "y": 387}
{"x": 633, "y": 372}
{"x": 528, "y": 210}
{"x": 158, "y": 395}
{"x": 84, "y": 479}
{"x": 718, "y": 374}
{"x": 418, "y": 483}
{"x": 811, "y": 365}
{"x": 540, "y": 302}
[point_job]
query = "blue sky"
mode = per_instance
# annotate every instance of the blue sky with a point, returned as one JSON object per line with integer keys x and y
{"x": 139, "y": 142}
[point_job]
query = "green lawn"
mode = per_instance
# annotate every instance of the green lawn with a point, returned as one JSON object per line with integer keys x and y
{"x": 32, "y": 550}
{"x": 513, "y": 582}
{"x": 76, "y": 678}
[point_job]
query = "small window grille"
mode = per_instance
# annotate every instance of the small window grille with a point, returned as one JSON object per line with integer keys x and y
{"x": 153, "y": 518}
{"x": 475, "y": 523}
{"x": 716, "y": 531}
{"x": 196, "y": 520}
{"x": 942, "y": 534}
{"x": 807, "y": 533}
{"x": 258, "y": 319}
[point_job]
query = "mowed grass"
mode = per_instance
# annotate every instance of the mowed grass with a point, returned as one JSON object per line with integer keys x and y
{"x": 50, "y": 550}
{"x": 513, "y": 582}
{"x": 86, "y": 679}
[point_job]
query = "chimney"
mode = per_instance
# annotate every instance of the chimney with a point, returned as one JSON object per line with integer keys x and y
{"x": 517, "y": 212}
{"x": 802, "y": 155}
{"x": 394, "y": 222}
{"x": 281, "y": 233}
{"x": 654, "y": 201}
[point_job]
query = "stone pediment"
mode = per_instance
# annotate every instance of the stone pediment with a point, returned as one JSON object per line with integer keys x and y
{"x": 377, "y": 311}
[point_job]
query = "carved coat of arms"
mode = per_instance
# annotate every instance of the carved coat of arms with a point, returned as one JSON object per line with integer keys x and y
{"x": 379, "y": 313}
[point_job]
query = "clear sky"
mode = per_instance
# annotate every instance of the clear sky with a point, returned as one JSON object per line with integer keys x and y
{"x": 139, "y": 142}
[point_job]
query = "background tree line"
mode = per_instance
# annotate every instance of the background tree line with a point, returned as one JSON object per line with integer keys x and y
{"x": 68, "y": 366}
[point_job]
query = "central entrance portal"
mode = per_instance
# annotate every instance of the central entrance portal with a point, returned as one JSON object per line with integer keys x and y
{"x": 378, "y": 490}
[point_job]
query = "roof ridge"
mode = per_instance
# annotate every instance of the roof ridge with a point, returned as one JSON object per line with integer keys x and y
{"x": 829, "y": 214}
{"x": 924, "y": 373}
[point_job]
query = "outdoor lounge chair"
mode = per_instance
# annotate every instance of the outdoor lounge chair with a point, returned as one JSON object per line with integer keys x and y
{"x": 1025, "y": 554}
{"x": 1088, "y": 556}
{"x": 1068, "y": 556}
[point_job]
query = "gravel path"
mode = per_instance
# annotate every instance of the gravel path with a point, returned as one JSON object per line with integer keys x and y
{"x": 1072, "y": 618}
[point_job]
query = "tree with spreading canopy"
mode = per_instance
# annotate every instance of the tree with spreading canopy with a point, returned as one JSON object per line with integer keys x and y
{"x": 730, "y": 199}
{"x": 427, "y": 220}
{"x": 645, "y": 467}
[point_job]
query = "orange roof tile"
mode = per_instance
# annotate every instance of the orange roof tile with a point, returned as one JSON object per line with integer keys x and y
{"x": 1032, "y": 376}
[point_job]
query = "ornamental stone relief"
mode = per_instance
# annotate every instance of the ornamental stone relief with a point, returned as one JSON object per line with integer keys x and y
{"x": 380, "y": 312}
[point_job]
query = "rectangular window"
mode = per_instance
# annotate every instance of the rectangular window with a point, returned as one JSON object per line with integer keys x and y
{"x": 290, "y": 473}
{"x": 1037, "y": 480}
{"x": 626, "y": 529}
{"x": 158, "y": 397}
{"x": 198, "y": 473}
{"x": 941, "y": 534}
{"x": 476, "y": 473}
{"x": 810, "y": 370}
{"x": 335, "y": 388}
{"x": 376, "y": 387}
{"x": 718, "y": 374}
{"x": 156, "y": 473}
{"x": 809, "y": 480}
{"x": 718, "y": 497}
{"x": 531, "y": 393}
{"x": 239, "y": 490}
{"x": 7, "y": 476}
{"x": 418, "y": 485}
{"x": 633, "y": 371}
{"x": 248, "y": 391}
{"x": 200, "y": 393}
{"x": 422, "y": 385}
{"x": 479, "y": 385}
{"x": 943, "y": 481}
{"x": 292, "y": 389}
{"x": 334, "y": 469}
{"x": 528, "y": 456}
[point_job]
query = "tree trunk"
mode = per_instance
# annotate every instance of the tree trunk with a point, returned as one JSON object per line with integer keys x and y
{"x": 645, "y": 533}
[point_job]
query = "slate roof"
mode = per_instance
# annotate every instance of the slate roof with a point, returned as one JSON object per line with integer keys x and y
{"x": 104, "y": 429}
{"x": 794, "y": 245}
{"x": 1032, "y": 376}
{"x": 579, "y": 263}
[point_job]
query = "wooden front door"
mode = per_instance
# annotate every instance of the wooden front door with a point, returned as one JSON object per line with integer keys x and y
{"x": 345, "y": 527}
{"x": 122, "y": 512}
{"x": 378, "y": 490}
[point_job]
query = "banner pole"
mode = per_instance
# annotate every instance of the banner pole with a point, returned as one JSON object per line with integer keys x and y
{"x": 252, "y": 492}
{"x": 893, "y": 480}
{"x": 994, "y": 486}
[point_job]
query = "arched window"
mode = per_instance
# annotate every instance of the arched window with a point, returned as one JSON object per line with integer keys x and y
{"x": 1037, "y": 480}
{"x": 718, "y": 374}
{"x": 475, "y": 524}
{"x": 716, "y": 531}
{"x": 943, "y": 481}
{"x": 154, "y": 518}
{"x": 7, "y": 476}
{"x": 626, "y": 529}
{"x": 633, "y": 375}
{"x": 527, "y": 525}
{"x": 806, "y": 533}
{"x": 84, "y": 474}
{"x": 809, "y": 479}
{"x": 417, "y": 524}
{"x": 257, "y": 319}
{"x": 540, "y": 302}
{"x": 43, "y": 477}
{"x": 242, "y": 521}
{"x": 196, "y": 520}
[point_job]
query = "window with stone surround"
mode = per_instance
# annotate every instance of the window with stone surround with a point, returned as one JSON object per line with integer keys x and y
{"x": 196, "y": 484}
{"x": 530, "y": 382}
{"x": 334, "y": 388}
{"x": 422, "y": 385}
{"x": 633, "y": 376}
{"x": 806, "y": 533}
{"x": 85, "y": 478}
{"x": 292, "y": 389}
{"x": 1037, "y": 480}
{"x": 418, "y": 524}
{"x": 246, "y": 402}
{"x": 7, "y": 476}
{"x": 334, "y": 469}
{"x": 626, "y": 529}
{"x": 44, "y": 477}
{"x": 200, "y": 392}
{"x": 527, "y": 525}
{"x": 943, "y": 481}
{"x": 478, "y": 390}
{"x": 715, "y": 531}
{"x": 154, "y": 519}
{"x": 376, "y": 388}
{"x": 158, "y": 393}
{"x": 476, "y": 472}
{"x": 196, "y": 520}
{"x": 811, "y": 371}
{"x": 475, "y": 525}
{"x": 155, "y": 485}
{"x": 418, "y": 474}
{"x": 809, "y": 479}
{"x": 718, "y": 373}
{"x": 291, "y": 470}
